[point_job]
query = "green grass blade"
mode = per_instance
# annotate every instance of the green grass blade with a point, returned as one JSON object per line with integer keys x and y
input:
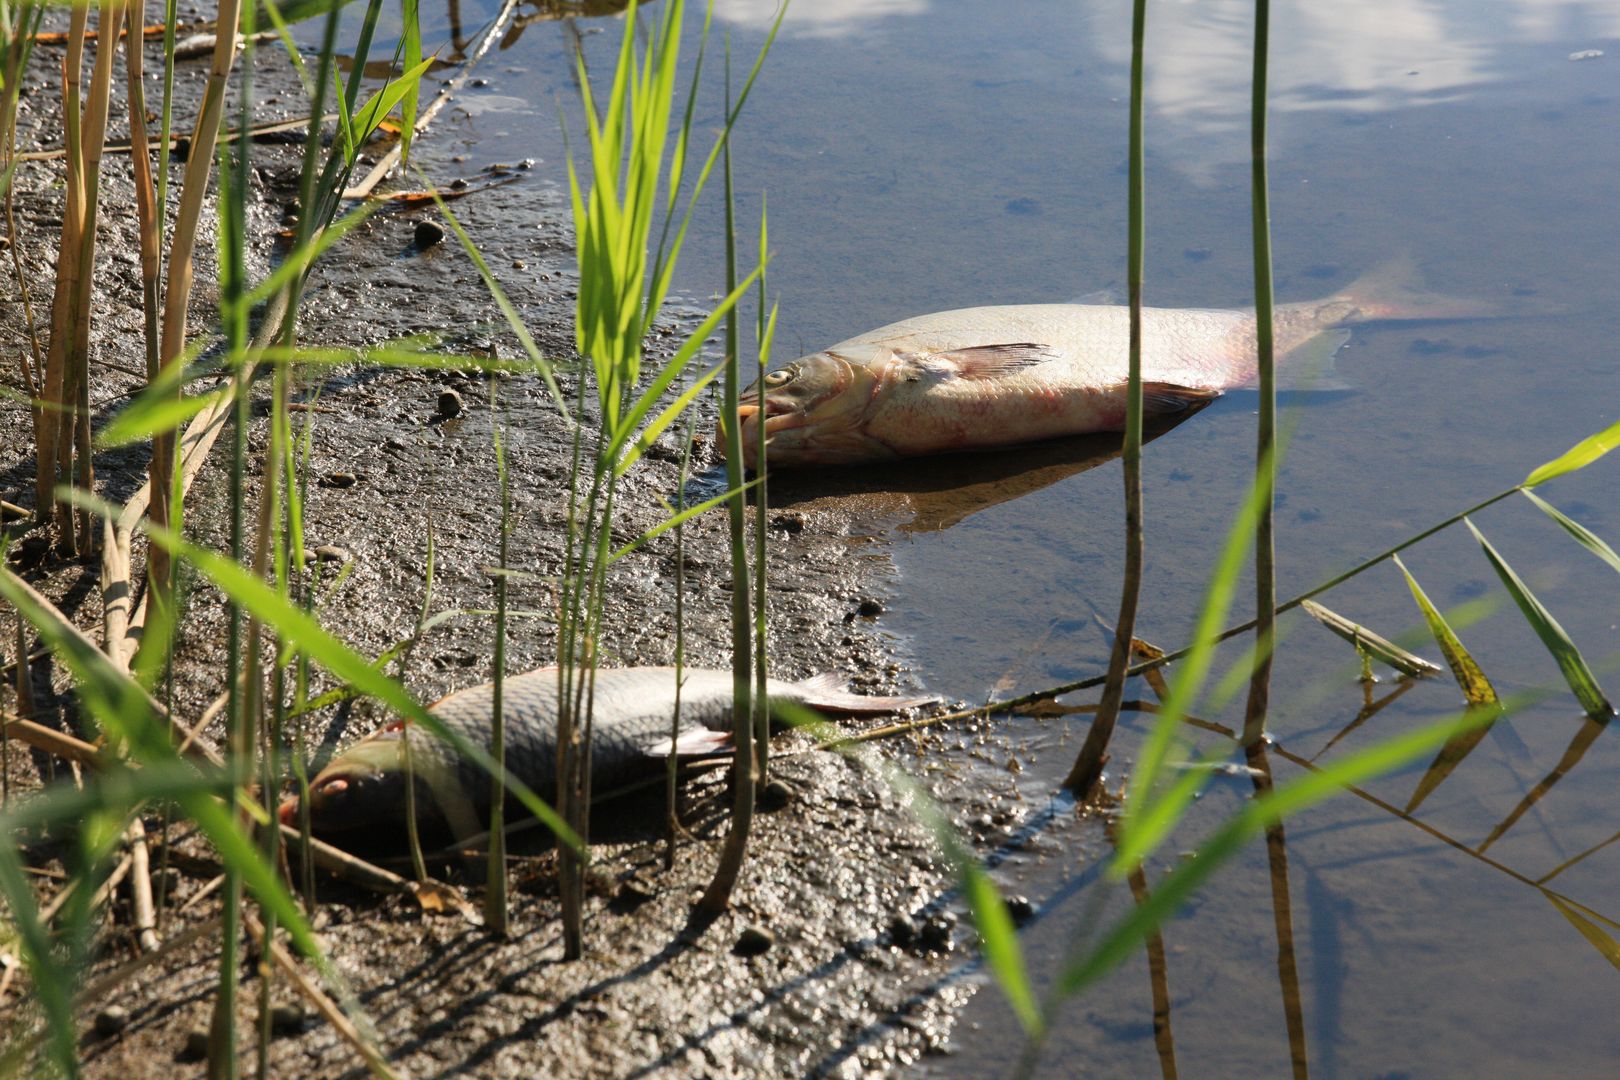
{"x": 1576, "y": 457}
{"x": 1586, "y": 537}
{"x": 381, "y": 103}
{"x": 1576, "y": 672}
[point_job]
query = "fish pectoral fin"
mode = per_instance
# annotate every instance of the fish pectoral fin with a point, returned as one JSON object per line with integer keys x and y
{"x": 1160, "y": 398}
{"x": 699, "y": 742}
{"x": 985, "y": 361}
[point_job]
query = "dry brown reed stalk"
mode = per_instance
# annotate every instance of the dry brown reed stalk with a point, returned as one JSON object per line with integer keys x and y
{"x": 177, "y": 293}
{"x": 11, "y": 67}
{"x": 146, "y": 209}
{"x": 47, "y": 435}
{"x": 140, "y": 888}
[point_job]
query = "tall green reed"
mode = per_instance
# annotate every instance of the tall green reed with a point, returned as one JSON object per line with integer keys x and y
{"x": 636, "y": 180}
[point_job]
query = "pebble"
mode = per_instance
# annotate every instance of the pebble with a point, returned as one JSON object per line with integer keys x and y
{"x": 341, "y": 479}
{"x": 332, "y": 553}
{"x": 902, "y": 931}
{"x": 450, "y": 404}
{"x": 1020, "y": 908}
{"x": 775, "y": 795}
{"x": 287, "y": 1019}
{"x": 112, "y": 1020}
{"x": 937, "y": 933}
{"x": 869, "y": 609}
{"x": 196, "y": 1045}
{"x": 427, "y": 234}
{"x": 754, "y": 941}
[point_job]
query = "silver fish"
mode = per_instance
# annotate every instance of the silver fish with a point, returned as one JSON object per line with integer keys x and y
{"x": 996, "y": 376}
{"x": 365, "y": 785}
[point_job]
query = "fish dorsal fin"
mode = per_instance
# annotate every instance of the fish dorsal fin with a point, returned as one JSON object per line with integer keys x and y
{"x": 982, "y": 361}
{"x": 1162, "y": 398}
{"x": 1310, "y": 365}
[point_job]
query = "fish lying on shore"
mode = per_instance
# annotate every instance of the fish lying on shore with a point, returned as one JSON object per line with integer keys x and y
{"x": 364, "y": 785}
{"x": 997, "y": 376}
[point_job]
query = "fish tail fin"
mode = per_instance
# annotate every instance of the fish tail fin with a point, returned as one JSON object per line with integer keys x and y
{"x": 1396, "y": 290}
{"x": 828, "y": 692}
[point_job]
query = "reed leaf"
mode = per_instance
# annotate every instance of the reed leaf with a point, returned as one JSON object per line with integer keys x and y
{"x": 685, "y": 515}
{"x": 1599, "y": 938}
{"x": 1576, "y": 672}
{"x": 1576, "y": 457}
{"x": 1586, "y": 537}
{"x": 1381, "y": 649}
{"x": 662, "y": 421}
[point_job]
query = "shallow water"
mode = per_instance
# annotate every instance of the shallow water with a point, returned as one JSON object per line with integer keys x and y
{"x": 921, "y": 156}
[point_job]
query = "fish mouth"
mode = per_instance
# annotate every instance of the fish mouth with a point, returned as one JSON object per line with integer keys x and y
{"x": 774, "y": 415}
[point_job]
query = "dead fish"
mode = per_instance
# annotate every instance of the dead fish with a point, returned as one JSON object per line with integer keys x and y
{"x": 364, "y": 786}
{"x": 997, "y": 376}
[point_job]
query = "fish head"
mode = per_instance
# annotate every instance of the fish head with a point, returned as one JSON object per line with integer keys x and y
{"x": 364, "y": 785}
{"x": 814, "y": 410}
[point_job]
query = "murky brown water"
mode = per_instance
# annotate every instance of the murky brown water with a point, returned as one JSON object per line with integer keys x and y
{"x": 920, "y": 156}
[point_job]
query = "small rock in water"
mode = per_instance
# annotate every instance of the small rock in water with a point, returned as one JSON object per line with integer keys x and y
{"x": 775, "y": 795}
{"x": 288, "y": 1019}
{"x": 1020, "y": 909}
{"x": 869, "y": 609}
{"x": 196, "y": 1045}
{"x": 450, "y": 404}
{"x": 936, "y": 933}
{"x": 902, "y": 931}
{"x": 754, "y": 941}
{"x": 112, "y": 1020}
{"x": 427, "y": 234}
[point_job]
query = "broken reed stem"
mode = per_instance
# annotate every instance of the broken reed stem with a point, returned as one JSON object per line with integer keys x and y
{"x": 177, "y": 293}
{"x": 1086, "y": 774}
{"x": 140, "y": 887}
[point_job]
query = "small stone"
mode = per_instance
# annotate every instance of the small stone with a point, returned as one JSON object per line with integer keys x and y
{"x": 869, "y": 609}
{"x": 450, "y": 404}
{"x": 341, "y": 479}
{"x": 332, "y": 553}
{"x": 394, "y": 442}
{"x": 526, "y": 163}
{"x": 519, "y": 264}
{"x": 902, "y": 931}
{"x": 427, "y": 234}
{"x": 937, "y": 932}
{"x": 196, "y": 1045}
{"x": 287, "y": 1019}
{"x": 1020, "y": 909}
{"x": 754, "y": 941}
{"x": 775, "y": 795}
{"x": 459, "y": 184}
{"x": 112, "y": 1020}
{"x": 789, "y": 522}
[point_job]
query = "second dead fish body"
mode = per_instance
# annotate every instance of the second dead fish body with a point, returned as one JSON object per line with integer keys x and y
{"x": 364, "y": 785}
{"x": 997, "y": 376}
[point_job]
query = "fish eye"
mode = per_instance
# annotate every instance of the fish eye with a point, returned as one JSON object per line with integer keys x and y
{"x": 782, "y": 378}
